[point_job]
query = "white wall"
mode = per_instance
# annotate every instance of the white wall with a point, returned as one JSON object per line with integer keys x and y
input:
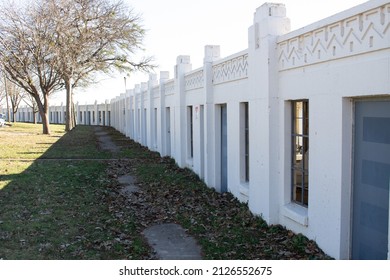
{"x": 329, "y": 63}
{"x": 353, "y": 62}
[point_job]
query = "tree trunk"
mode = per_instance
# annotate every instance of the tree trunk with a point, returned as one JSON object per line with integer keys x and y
{"x": 43, "y": 112}
{"x": 35, "y": 117}
{"x": 74, "y": 114}
{"x": 8, "y": 112}
{"x": 45, "y": 123}
{"x": 6, "y": 99}
{"x": 69, "y": 120}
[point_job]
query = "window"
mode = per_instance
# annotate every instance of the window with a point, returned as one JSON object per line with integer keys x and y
{"x": 244, "y": 141}
{"x": 155, "y": 128}
{"x": 300, "y": 152}
{"x": 190, "y": 133}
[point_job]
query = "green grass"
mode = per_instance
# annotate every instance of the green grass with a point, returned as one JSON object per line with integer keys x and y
{"x": 61, "y": 209}
{"x": 79, "y": 143}
{"x": 25, "y": 141}
{"x": 60, "y": 199}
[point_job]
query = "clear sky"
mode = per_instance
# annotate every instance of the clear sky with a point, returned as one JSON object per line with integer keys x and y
{"x": 181, "y": 27}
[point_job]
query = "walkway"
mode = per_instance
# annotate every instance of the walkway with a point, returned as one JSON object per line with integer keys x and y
{"x": 169, "y": 241}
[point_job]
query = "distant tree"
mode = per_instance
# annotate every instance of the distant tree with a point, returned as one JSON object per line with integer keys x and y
{"x": 2, "y": 94}
{"x": 91, "y": 36}
{"x": 26, "y": 57}
{"x": 32, "y": 104}
{"x": 16, "y": 95}
{"x": 54, "y": 44}
{"x": 4, "y": 100}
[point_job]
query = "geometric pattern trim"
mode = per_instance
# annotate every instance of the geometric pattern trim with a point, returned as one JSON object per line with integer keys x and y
{"x": 170, "y": 87}
{"x": 194, "y": 80}
{"x": 230, "y": 70}
{"x": 358, "y": 34}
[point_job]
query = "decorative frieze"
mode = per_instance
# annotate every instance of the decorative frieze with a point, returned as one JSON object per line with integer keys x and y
{"x": 194, "y": 80}
{"x": 358, "y": 34}
{"x": 230, "y": 70}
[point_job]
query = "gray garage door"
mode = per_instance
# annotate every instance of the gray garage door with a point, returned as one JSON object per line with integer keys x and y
{"x": 371, "y": 180}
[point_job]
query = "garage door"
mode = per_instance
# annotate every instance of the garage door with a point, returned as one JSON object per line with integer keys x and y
{"x": 370, "y": 224}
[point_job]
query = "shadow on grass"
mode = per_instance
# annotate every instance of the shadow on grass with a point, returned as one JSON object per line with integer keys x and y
{"x": 60, "y": 209}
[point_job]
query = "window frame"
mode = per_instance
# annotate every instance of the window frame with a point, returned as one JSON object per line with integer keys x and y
{"x": 300, "y": 135}
{"x": 244, "y": 142}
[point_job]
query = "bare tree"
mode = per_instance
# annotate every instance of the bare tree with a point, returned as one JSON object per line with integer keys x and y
{"x": 26, "y": 57}
{"x": 91, "y": 36}
{"x": 56, "y": 44}
{"x": 32, "y": 104}
{"x": 2, "y": 94}
{"x": 16, "y": 95}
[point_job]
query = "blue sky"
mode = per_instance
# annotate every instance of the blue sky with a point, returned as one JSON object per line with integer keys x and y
{"x": 178, "y": 27}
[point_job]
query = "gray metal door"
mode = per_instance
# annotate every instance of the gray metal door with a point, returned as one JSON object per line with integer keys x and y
{"x": 370, "y": 223}
{"x": 224, "y": 155}
{"x": 202, "y": 163}
{"x": 168, "y": 132}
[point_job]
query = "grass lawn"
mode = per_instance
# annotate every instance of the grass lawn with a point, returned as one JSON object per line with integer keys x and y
{"x": 59, "y": 209}
{"x": 60, "y": 199}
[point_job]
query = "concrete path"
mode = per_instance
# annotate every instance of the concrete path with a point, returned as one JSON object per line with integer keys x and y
{"x": 128, "y": 185}
{"x": 105, "y": 141}
{"x": 169, "y": 241}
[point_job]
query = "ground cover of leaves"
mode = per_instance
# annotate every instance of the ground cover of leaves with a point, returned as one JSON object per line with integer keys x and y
{"x": 70, "y": 205}
{"x": 224, "y": 227}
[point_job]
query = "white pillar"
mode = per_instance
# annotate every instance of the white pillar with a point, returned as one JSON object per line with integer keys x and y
{"x": 96, "y": 121}
{"x": 105, "y": 121}
{"x": 137, "y": 112}
{"x": 78, "y": 113}
{"x": 131, "y": 114}
{"x": 269, "y": 22}
{"x": 144, "y": 123}
{"x": 162, "y": 127}
{"x": 150, "y": 119}
{"x": 211, "y": 53}
{"x": 183, "y": 65}
{"x": 127, "y": 113}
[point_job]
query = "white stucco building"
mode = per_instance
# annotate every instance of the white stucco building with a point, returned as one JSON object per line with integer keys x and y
{"x": 297, "y": 125}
